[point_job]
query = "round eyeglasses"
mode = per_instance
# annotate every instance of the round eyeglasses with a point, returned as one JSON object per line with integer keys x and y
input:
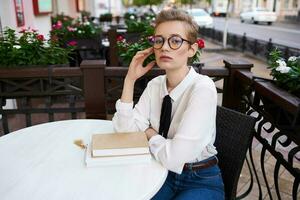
{"x": 174, "y": 42}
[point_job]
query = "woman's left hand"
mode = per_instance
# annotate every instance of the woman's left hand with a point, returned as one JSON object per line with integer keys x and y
{"x": 150, "y": 132}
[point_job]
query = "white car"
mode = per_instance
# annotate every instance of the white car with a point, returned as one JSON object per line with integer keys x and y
{"x": 258, "y": 15}
{"x": 202, "y": 18}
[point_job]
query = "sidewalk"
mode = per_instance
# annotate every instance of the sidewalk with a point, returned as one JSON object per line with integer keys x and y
{"x": 213, "y": 56}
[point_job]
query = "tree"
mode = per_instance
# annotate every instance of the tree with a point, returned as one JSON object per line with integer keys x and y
{"x": 226, "y": 26}
{"x": 127, "y": 3}
{"x": 146, "y": 2}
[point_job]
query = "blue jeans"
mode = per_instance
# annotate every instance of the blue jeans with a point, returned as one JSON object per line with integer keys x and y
{"x": 206, "y": 184}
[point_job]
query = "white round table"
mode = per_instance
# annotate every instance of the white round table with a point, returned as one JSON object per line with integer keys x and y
{"x": 42, "y": 162}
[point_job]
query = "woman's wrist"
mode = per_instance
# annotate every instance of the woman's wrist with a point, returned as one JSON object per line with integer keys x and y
{"x": 129, "y": 79}
{"x": 150, "y": 132}
{"x": 127, "y": 93}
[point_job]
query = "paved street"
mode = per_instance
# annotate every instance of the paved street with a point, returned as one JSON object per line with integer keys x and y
{"x": 285, "y": 34}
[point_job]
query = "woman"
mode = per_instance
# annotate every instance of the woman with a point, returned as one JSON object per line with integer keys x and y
{"x": 177, "y": 111}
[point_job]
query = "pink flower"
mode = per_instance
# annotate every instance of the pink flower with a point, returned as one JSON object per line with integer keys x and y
{"x": 151, "y": 39}
{"x": 200, "y": 43}
{"x": 40, "y": 37}
{"x": 71, "y": 29}
{"x": 23, "y": 30}
{"x": 72, "y": 43}
{"x": 58, "y": 25}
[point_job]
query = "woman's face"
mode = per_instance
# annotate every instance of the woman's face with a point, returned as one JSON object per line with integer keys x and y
{"x": 169, "y": 58}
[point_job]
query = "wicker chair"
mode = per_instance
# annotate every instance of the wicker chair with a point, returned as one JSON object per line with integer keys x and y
{"x": 234, "y": 134}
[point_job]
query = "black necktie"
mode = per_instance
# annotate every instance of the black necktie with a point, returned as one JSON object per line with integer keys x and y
{"x": 165, "y": 116}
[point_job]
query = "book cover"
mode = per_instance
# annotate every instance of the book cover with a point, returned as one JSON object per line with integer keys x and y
{"x": 114, "y": 160}
{"x": 117, "y": 144}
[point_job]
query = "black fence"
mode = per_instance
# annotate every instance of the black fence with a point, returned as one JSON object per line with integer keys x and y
{"x": 259, "y": 48}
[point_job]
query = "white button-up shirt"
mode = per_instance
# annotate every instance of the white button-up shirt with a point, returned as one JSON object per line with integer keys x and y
{"x": 193, "y": 123}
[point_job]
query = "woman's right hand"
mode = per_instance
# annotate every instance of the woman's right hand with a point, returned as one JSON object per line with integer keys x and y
{"x": 136, "y": 69}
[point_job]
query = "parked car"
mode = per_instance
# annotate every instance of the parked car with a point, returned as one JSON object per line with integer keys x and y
{"x": 258, "y": 15}
{"x": 202, "y": 18}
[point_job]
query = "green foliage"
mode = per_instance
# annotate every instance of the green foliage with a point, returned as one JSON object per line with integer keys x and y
{"x": 286, "y": 73}
{"x": 126, "y": 3}
{"x": 127, "y": 51}
{"x": 146, "y": 2}
{"x": 64, "y": 19}
{"x": 134, "y": 26}
{"x": 29, "y": 49}
{"x": 186, "y": 1}
{"x": 128, "y": 16}
{"x": 107, "y": 17}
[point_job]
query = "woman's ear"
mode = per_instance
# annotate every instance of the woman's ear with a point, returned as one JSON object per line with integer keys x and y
{"x": 192, "y": 50}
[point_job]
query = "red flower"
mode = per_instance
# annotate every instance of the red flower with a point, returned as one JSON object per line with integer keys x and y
{"x": 40, "y": 37}
{"x": 200, "y": 43}
{"x": 72, "y": 43}
{"x": 120, "y": 38}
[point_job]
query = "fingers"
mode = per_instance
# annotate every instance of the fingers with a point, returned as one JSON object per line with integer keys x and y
{"x": 150, "y": 65}
{"x": 145, "y": 52}
{"x": 140, "y": 56}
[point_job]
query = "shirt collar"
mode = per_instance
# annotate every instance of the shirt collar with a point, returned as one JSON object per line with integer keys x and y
{"x": 180, "y": 88}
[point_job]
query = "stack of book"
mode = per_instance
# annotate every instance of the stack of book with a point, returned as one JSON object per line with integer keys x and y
{"x": 117, "y": 148}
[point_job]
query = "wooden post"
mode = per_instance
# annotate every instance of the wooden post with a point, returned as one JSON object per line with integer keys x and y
{"x": 94, "y": 90}
{"x": 113, "y": 49}
{"x": 231, "y": 88}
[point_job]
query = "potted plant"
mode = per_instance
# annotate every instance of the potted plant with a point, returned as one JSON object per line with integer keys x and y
{"x": 107, "y": 17}
{"x": 31, "y": 49}
{"x": 286, "y": 73}
{"x": 279, "y": 98}
{"x": 76, "y": 30}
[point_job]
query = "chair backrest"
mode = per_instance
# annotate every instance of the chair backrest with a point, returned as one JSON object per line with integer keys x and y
{"x": 233, "y": 137}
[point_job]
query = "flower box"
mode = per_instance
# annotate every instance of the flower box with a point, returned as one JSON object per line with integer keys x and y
{"x": 286, "y": 73}
{"x": 282, "y": 107}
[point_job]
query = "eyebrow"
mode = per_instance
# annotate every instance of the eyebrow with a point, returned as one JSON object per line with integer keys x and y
{"x": 170, "y": 35}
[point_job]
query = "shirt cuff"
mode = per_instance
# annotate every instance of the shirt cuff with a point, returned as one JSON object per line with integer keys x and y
{"x": 123, "y": 106}
{"x": 156, "y": 143}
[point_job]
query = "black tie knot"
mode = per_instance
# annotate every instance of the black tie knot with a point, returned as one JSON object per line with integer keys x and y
{"x": 165, "y": 116}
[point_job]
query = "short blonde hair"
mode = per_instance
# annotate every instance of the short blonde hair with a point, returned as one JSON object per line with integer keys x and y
{"x": 177, "y": 15}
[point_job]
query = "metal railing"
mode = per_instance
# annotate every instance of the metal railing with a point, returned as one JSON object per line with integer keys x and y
{"x": 259, "y": 48}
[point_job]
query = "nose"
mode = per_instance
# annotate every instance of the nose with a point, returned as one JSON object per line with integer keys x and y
{"x": 165, "y": 46}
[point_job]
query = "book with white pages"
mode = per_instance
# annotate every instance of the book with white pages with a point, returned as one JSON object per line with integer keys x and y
{"x": 114, "y": 160}
{"x": 119, "y": 144}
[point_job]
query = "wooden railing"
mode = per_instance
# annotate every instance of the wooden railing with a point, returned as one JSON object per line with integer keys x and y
{"x": 91, "y": 89}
